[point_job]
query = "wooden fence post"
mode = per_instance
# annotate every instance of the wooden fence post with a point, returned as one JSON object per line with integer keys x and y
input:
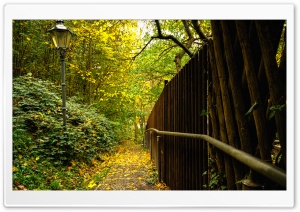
{"x": 159, "y": 158}
{"x": 150, "y": 144}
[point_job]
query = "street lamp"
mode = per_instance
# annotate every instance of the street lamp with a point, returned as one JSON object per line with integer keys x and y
{"x": 61, "y": 37}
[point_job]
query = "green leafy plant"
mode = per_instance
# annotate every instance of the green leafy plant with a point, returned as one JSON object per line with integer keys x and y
{"x": 274, "y": 109}
{"x": 41, "y": 143}
{"x": 252, "y": 108}
{"x": 152, "y": 176}
{"x": 204, "y": 113}
{"x": 216, "y": 179}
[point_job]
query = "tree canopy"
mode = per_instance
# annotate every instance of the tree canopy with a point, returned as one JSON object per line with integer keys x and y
{"x": 115, "y": 66}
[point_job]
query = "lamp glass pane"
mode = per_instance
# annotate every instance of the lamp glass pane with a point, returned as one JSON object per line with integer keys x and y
{"x": 61, "y": 39}
{"x": 54, "y": 38}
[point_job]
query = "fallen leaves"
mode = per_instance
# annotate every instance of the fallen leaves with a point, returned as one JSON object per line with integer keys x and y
{"x": 21, "y": 187}
{"x": 14, "y": 169}
{"x": 92, "y": 184}
{"x": 162, "y": 186}
{"x": 127, "y": 169}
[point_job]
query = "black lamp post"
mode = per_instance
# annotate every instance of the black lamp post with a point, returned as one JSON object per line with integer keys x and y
{"x": 61, "y": 37}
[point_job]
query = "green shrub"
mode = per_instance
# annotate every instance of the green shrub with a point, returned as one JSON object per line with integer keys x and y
{"x": 41, "y": 142}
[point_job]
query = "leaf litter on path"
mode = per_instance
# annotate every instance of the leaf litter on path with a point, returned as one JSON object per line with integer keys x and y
{"x": 130, "y": 168}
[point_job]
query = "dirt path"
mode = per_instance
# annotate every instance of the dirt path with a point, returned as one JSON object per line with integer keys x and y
{"x": 130, "y": 168}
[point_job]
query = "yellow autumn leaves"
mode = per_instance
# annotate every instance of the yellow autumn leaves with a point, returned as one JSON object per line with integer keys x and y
{"x": 127, "y": 169}
{"x": 92, "y": 184}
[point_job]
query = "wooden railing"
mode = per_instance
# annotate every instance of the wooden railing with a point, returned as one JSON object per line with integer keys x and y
{"x": 271, "y": 172}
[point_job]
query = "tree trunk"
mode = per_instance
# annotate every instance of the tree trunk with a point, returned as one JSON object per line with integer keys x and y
{"x": 216, "y": 87}
{"x": 215, "y": 129}
{"x": 135, "y": 132}
{"x": 236, "y": 90}
{"x": 189, "y": 43}
{"x": 89, "y": 68}
{"x": 229, "y": 121}
{"x": 277, "y": 92}
{"x": 260, "y": 121}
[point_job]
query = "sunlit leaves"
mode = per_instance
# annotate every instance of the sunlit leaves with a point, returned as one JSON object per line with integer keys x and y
{"x": 100, "y": 69}
{"x": 128, "y": 169}
{"x": 31, "y": 48}
{"x": 162, "y": 186}
{"x": 92, "y": 184}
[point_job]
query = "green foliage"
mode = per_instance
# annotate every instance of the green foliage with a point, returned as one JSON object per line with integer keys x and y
{"x": 276, "y": 108}
{"x": 41, "y": 144}
{"x": 101, "y": 67}
{"x": 204, "y": 113}
{"x": 152, "y": 177}
{"x": 32, "y": 50}
{"x": 97, "y": 62}
{"x": 281, "y": 45}
{"x": 252, "y": 108}
{"x": 216, "y": 179}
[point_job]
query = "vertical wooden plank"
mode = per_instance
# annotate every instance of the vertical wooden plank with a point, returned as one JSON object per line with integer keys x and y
{"x": 165, "y": 138}
{"x": 167, "y": 150}
{"x": 180, "y": 141}
{"x": 201, "y": 171}
{"x": 190, "y": 109}
{"x": 181, "y": 129}
{"x": 185, "y": 161}
{"x": 193, "y": 119}
{"x": 197, "y": 122}
{"x": 204, "y": 117}
{"x": 186, "y": 121}
{"x": 175, "y": 112}
{"x": 188, "y": 127}
{"x": 175, "y": 152}
{"x": 172, "y": 159}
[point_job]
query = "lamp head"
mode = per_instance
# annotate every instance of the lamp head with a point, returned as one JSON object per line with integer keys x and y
{"x": 61, "y": 35}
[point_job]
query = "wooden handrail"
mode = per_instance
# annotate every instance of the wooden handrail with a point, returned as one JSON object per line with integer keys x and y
{"x": 268, "y": 170}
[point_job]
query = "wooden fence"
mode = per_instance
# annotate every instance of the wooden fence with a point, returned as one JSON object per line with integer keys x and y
{"x": 234, "y": 90}
{"x": 178, "y": 109}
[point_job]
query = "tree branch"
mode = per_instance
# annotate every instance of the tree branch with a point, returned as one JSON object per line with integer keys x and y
{"x": 198, "y": 30}
{"x": 167, "y": 50}
{"x": 187, "y": 28}
{"x": 158, "y": 28}
{"x": 133, "y": 58}
{"x": 170, "y": 37}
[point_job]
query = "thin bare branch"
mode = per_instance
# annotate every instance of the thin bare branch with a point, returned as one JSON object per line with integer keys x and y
{"x": 167, "y": 50}
{"x": 133, "y": 58}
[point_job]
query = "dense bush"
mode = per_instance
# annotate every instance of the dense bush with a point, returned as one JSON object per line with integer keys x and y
{"x": 40, "y": 142}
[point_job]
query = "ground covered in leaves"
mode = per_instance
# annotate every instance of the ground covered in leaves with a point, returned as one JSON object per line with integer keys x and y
{"x": 129, "y": 168}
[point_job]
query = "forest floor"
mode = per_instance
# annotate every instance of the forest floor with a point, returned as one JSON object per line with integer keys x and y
{"x": 130, "y": 168}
